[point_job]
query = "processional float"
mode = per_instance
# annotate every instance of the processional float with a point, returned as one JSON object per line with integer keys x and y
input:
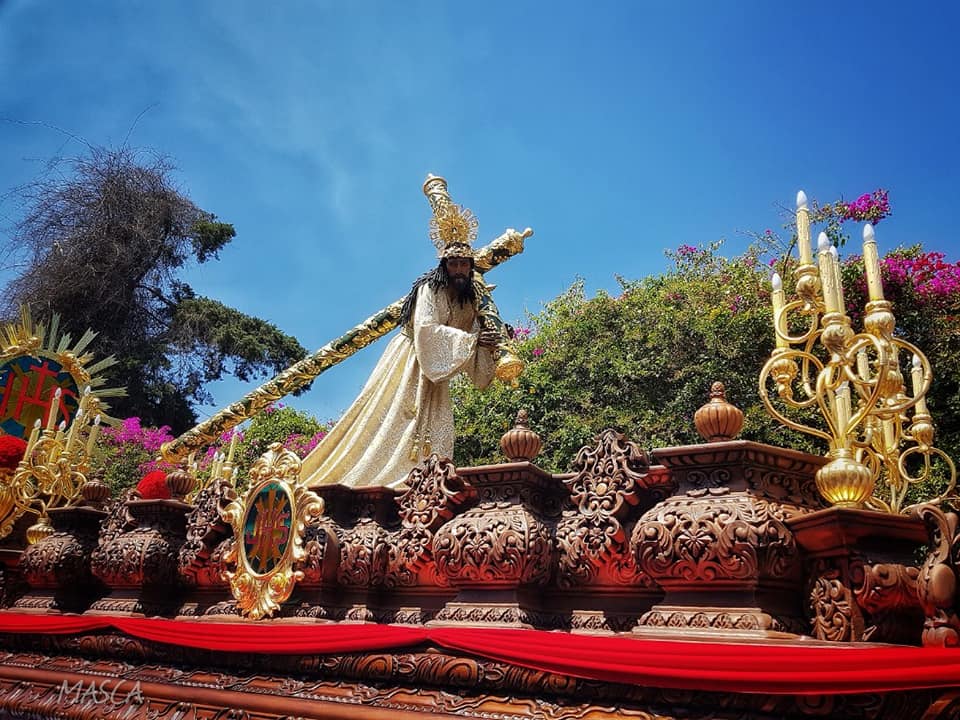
{"x": 722, "y": 579}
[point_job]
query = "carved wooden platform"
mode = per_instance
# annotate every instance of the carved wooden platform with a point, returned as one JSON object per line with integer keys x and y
{"x": 722, "y": 540}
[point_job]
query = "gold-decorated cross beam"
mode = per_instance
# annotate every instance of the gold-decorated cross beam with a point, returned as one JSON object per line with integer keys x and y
{"x": 510, "y": 243}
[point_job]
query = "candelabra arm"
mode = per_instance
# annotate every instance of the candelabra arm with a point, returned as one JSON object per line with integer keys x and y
{"x": 774, "y": 364}
{"x": 782, "y": 327}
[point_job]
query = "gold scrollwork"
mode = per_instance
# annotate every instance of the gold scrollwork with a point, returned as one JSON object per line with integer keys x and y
{"x": 856, "y": 381}
{"x": 268, "y": 525}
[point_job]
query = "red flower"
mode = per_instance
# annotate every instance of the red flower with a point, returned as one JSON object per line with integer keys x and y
{"x": 153, "y": 486}
{"x": 12, "y": 449}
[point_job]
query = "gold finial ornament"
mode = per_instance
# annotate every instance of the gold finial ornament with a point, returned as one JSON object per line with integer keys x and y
{"x": 718, "y": 420}
{"x": 94, "y": 491}
{"x": 844, "y": 481}
{"x": 180, "y": 482}
{"x": 877, "y": 452}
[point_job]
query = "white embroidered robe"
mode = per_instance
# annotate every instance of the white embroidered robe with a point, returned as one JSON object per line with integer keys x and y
{"x": 406, "y": 399}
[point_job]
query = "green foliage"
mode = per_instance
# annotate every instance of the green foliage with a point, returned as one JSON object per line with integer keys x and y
{"x": 222, "y": 339}
{"x": 101, "y": 243}
{"x": 283, "y": 425}
{"x": 296, "y": 430}
{"x": 643, "y": 362}
{"x": 128, "y": 452}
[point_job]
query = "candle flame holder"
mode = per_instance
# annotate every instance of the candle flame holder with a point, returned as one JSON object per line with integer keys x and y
{"x": 880, "y": 438}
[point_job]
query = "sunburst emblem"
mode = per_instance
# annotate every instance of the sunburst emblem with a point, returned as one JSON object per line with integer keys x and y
{"x": 36, "y": 360}
{"x": 453, "y": 225}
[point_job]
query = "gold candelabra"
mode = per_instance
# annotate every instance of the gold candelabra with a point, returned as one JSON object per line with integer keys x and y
{"x": 880, "y": 437}
{"x": 55, "y": 464}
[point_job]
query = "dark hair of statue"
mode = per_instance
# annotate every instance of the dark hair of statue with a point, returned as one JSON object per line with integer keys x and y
{"x": 438, "y": 278}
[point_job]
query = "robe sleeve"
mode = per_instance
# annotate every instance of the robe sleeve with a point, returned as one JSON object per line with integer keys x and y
{"x": 481, "y": 370}
{"x": 442, "y": 351}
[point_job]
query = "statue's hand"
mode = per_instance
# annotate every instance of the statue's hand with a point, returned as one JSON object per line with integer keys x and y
{"x": 488, "y": 338}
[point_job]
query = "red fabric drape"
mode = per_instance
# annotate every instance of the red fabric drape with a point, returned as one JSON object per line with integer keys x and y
{"x": 724, "y": 667}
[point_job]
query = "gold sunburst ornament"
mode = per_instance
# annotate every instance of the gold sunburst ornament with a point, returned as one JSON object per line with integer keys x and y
{"x": 268, "y": 525}
{"x": 51, "y": 391}
{"x": 453, "y": 230}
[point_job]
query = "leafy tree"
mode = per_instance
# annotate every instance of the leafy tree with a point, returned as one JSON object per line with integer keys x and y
{"x": 644, "y": 361}
{"x": 296, "y": 430}
{"x": 102, "y": 241}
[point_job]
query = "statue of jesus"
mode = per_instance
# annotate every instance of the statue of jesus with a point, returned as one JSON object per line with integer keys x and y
{"x": 403, "y": 413}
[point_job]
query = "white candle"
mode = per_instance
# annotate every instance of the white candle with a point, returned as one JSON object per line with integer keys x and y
{"x": 843, "y": 408}
{"x": 54, "y": 406}
{"x": 233, "y": 446}
{"x": 803, "y": 229}
{"x": 778, "y": 302}
{"x": 863, "y": 365}
{"x": 871, "y": 264}
{"x": 33, "y": 438}
{"x": 827, "y": 280}
{"x": 94, "y": 431}
{"x": 837, "y": 279}
{"x": 74, "y": 425}
{"x": 916, "y": 375}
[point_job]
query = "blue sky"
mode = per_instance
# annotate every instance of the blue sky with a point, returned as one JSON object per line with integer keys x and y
{"x": 615, "y": 130}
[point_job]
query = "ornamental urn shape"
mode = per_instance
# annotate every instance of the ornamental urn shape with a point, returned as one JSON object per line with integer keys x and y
{"x": 520, "y": 443}
{"x": 718, "y": 420}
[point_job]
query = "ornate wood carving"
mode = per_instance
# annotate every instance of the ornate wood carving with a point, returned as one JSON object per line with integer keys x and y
{"x": 833, "y": 611}
{"x": 140, "y": 564}
{"x": 725, "y": 532}
{"x": 395, "y": 686}
{"x": 745, "y": 619}
{"x": 321, "y": 545}
{"x": 887, "y": 595}
{"x": 611, "y": 477}
{"x": 58, "y": 567}
{"x": 937, "y": 581}
{"x": 506, "y": 547}
{"x": 206, "y": 530}
{"x": 435, "y": 492}
{"x": 861, "y": 582}
{"x": 498, "y": 550}
{"x": 713, "y": 538}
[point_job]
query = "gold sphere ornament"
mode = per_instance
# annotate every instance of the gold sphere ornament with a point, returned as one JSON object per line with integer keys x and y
{"x": 520, "y": 443}
{"x": 40, "y": 530}
{"x": 718, "y": 420}
{"x": 509, "y": 367}
{"x": 844, "y": 482}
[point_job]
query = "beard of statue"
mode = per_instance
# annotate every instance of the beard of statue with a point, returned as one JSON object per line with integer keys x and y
{"x": 460, "y": 285}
